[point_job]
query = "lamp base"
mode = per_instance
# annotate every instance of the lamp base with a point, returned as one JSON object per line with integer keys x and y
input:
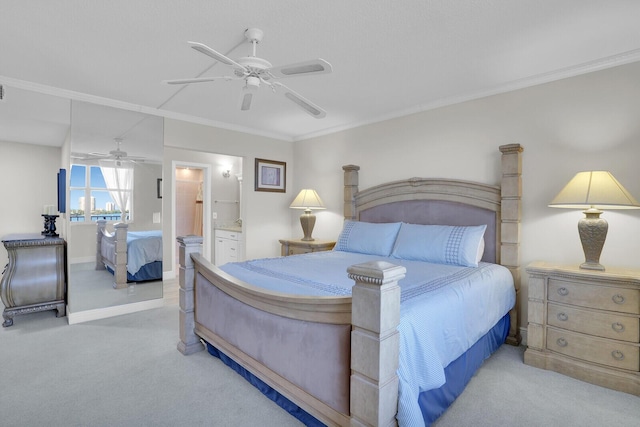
{"x": 307, "y": 220}
{"x": 593, "y": 232}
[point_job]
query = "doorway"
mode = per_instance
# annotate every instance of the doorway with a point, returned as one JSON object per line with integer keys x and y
{"x": 191, "y": 208}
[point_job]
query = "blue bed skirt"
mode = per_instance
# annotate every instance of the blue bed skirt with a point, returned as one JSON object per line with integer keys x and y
{"x": 151, "y": 271}
{"x": 432, "y": 402}
{"x": 267, "y": 390}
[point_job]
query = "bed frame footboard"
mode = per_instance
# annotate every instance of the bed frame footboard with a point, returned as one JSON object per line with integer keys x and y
{"x": 356, "y": 385}
{"x": 118, "y": 263}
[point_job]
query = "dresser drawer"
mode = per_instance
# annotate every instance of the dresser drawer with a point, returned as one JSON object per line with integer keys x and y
{"x": 226, "y": 234}
{"x": 600, "y": 297}
{"x": 596, "y": 350}
{"x": 607, "y": 325}
{"x": 293, "y": 250}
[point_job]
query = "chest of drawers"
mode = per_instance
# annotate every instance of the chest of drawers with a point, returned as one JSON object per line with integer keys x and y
{"x": 34, "y": 279}
{"x": 585, "y": 324}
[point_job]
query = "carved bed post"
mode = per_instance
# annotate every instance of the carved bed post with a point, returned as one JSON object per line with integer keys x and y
{"x": 120, "y": 273}
{"x": 189, "y": 341}
{"x": 375, "y": 343}
{"x": 511, "y": 214}
{"x": 102, "y": 225}
{"x": 350, "y": 190}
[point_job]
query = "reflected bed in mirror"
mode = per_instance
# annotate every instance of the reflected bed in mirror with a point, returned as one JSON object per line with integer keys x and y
{"x": 116, "y": 161}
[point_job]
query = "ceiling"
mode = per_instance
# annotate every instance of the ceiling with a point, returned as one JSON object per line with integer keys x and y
{"x": 389, "y": 58}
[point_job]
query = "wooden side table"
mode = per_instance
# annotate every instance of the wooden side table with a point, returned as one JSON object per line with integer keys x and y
{"x": 299, "y": 246}
{"x": 34, "y": 278}
{"x": 585, "y": 324}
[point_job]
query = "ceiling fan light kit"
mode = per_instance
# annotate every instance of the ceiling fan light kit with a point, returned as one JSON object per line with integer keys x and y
{"x": 255, "y": 70}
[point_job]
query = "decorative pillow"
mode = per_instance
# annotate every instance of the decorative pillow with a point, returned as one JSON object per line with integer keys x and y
{"x": 367, "y": 237}
{"x": 443, "y": 244}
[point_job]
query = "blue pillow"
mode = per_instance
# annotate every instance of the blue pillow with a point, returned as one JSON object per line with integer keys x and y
{"x": 442, "y": 244}
{"x": 367, "y": 237}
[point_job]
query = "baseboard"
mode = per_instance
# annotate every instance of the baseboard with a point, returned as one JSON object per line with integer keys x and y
{"x": 81, "y": 260}
{"x": 118, "y": 310}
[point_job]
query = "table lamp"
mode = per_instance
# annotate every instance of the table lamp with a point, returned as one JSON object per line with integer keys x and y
{"x": 590, "y": 191}
{"x": 307, "y": 199}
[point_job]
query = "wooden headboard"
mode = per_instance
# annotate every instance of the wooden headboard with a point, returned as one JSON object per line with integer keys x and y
{"x": 452, "y": 202}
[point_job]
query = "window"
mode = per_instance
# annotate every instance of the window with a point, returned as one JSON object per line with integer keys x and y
{"x": 90, "y": 199}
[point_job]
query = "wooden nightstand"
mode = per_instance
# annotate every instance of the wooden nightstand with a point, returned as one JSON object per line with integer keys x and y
{"x": 298, "y": 246}
{"x": 585, "y": 324}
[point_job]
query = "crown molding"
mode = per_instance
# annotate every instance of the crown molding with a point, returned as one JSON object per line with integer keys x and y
{"x": 538, "y": 79}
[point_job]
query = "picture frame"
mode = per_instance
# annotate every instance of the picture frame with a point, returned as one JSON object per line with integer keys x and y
{"x": 271, "y": 175}
{"x": 159, "y": 188}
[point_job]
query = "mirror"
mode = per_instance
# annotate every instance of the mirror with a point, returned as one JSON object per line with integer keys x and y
{"x": 115, "y": 177}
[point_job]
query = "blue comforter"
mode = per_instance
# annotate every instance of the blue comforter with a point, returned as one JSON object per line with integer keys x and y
{"x": 444, "y": 308}
{"x": 143, "y": 247}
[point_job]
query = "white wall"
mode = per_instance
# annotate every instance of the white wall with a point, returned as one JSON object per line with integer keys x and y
{"x": 28, "y": 183}
{"x": 589, "y": 122}
{"x": 266, "y": 215}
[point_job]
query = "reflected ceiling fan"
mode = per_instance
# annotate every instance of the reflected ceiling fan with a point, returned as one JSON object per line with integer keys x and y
{"x": 254, "y": 71}
{"x": 118, "y": 155}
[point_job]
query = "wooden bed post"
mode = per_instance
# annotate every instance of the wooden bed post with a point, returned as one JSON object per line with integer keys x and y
{"x": 511, "y": 215}
{"x": 189, "y": 341}
{"x": 375, "y": 343}
{"x": 102, "y": 225}
{"x": 350, "y": 190}
{"x": 120, "y": 274}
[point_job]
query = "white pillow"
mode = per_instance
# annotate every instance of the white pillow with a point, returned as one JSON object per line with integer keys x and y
{"x": 442, "y": 244}
{"x": 367, "y": 237}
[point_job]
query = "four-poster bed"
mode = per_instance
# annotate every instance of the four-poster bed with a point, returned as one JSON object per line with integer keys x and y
{"x": 341, "y": 357}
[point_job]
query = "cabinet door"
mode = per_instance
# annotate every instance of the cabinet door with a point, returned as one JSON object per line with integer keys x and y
{"x": 219, "y": 249}
{"x": 226, "y": 250}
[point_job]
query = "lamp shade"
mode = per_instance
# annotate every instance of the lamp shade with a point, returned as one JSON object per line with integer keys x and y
{"x": 591, "y": 191}
{"x": 307, "y": 199}
{"x": 594, "y": 189}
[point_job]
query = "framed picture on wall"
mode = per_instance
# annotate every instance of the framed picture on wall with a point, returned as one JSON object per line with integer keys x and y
{"x": 271, "y": 175}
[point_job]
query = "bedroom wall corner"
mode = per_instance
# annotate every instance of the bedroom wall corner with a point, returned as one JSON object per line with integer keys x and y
{"x": 28, "y": 173}
{"x": 266, "y": 215}
{"x": 587, "y": 122}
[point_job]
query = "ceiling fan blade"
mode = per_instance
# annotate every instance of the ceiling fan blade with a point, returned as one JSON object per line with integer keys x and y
{"x": 314, "y": 66}
{"x": 202, "y": 48}
{"x": 302, "y": 102}
{"x": 195, "y": 80}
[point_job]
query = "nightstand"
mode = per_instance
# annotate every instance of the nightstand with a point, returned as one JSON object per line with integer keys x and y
{"x": 299, "y": 246}
{"x": 585, "y": 324}
{"x": 34, "y": 279}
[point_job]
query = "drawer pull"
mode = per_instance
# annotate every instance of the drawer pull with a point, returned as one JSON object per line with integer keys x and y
{"x": 618, "y": 299}
{"x": 562, "y": 342}
{"x": 617, "y": 354}
{"x": 563, "y": 291}
{"x": 617, "y": 326}
{"x": 562, "y": 317}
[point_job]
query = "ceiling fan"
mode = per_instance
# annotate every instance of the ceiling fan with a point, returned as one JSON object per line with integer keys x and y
{"x": 254, "y": 71}
{"x": 118, "y": 155}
